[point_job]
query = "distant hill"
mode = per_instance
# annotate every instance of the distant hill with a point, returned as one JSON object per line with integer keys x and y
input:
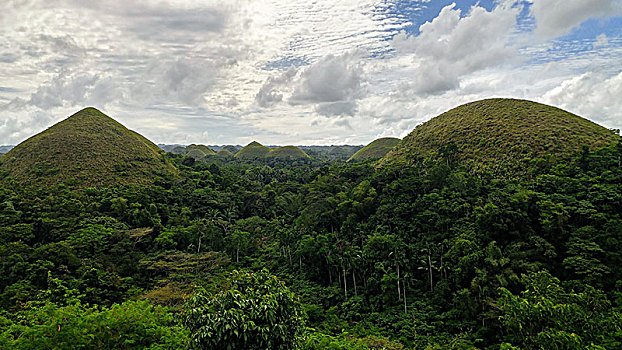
{"x": 343, "y": 152}
{"x": 224, "y": 153}
{"x": 198, "y": 152}
{"x": 195, "y": 153}
{"x": 287, "y": 153}
{"x": 500, "y": 135}
{"x": 375, "y": 150}
{"x": 206, "y": 150}
{"x": 5, "y": 149}
{"x": 253, "y": 150}
{"x": 231, "y": 148}
{"x": 169, "y": 148}
{"x": 329, "y": 153}
{"x": 87, "y": 149}
{"x": 178, "y": 150}
{"x": 334, "y": 152}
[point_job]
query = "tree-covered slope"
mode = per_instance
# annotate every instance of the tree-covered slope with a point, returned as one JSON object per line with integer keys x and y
{"x": 375, "y": 150}
{"x": 500, "y": 135}
{"x": 85, "y": 150}
{"x": 420, "y": 257}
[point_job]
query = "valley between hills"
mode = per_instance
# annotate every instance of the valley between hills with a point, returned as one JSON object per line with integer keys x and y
{"x": 495, "y": 225}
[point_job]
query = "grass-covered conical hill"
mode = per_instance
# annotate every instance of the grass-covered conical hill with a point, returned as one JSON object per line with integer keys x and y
{"x": 88, "y": 149}
{"x": 253, "y": 150}
{"x": 202, "y": 148}
{"x": 224, "y": 153}
{"x": 500, "y": 135}
{"x": 195, "y": 153}
{"x": 198, "y": 152}
{"x": 231, "y": 148}
{"x": 375, "y": 150}
{"x": 287, "y": 153}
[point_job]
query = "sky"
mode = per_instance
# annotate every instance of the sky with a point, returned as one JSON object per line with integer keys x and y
{"x": 300, "y": 72}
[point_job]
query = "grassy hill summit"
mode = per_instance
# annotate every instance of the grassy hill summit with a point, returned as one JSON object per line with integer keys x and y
{"x": 197, "y": 152}
{"x": 253, "y": 150}
{"x": 256, "y": 150}
{"x": 225, "y": 153}
{"x": 287, "y": 153}
{"x": 375, "y": 149}
{"x": 204, "y": 149}
{"x": 500, "y": 135}
{"x": 88, "y": 149}
{"x": 231, "y": 148}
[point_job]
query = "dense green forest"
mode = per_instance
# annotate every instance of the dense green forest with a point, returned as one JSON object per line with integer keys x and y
{"x": 320, "y": 255}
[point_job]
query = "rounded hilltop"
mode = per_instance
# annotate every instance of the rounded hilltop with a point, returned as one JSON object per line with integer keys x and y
{"x": 255, "y": 150}
{"x": 375, "y": 149}
{"x": 88, "y": 149}
{"x": 195, "y": 151}
{"x": 224, "y": 153}
{"x": 500, "y": 135}
{"x": 287, "y": 153}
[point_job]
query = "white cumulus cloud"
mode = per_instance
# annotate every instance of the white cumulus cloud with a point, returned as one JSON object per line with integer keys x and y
{"x": 590, "y": 95}
{"x": 298, "y": 71}
{"x": 334, "y": 83}
{"x": 272, "y": 91}
{"x": 557, "y": 17}
{"x": 451, "y": 46}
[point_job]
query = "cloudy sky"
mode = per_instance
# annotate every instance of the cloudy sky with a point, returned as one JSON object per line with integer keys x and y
{"x": 300, "y": 71}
